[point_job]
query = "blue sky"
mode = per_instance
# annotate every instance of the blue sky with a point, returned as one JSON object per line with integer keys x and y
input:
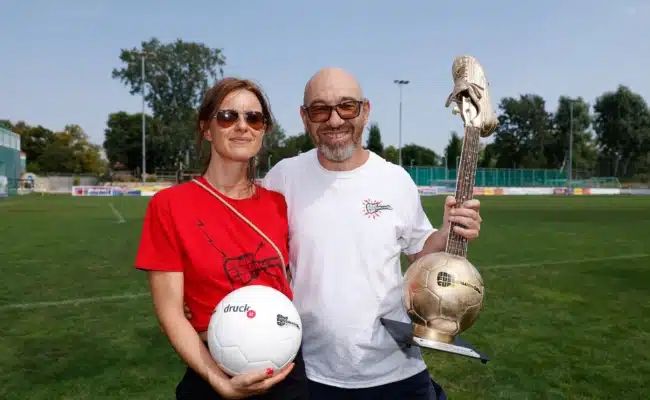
{"x": 57, "y": 56}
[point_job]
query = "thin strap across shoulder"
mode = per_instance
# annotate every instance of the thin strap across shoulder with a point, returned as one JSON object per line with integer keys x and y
{"x": 252, "y": 225}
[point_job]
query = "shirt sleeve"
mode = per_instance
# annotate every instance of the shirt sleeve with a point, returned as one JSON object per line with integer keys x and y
{"x": 274, "y": 179}
{"x": 159, "y": 248}
{"x": 418, "y": 228}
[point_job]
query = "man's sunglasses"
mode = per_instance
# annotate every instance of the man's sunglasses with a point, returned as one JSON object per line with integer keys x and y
{"x": 346, "y": 110}
{"x": 228, "y": 118}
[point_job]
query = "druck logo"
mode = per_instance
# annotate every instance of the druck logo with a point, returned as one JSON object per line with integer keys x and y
{"x": 240, "y": 308}
{"x": 236, "y": 308}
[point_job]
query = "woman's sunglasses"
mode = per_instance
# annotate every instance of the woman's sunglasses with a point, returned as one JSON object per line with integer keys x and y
{"x": 228, "y": 118}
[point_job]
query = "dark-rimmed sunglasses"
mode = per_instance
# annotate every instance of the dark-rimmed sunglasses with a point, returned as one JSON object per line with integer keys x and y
{"x": 348, "y": 109}
{"x": 228, "y": 118}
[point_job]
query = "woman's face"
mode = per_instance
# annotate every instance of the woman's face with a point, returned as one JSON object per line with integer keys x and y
{"x": 237, "y": 129}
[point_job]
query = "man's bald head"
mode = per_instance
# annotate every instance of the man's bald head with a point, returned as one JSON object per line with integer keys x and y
{"x": 328, "y": 84}
{"x": 335, "y": 113}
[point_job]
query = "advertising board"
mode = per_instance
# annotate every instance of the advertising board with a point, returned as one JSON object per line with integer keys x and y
{"x": 605, "y": 191}
{"x": 145, "y": 191}
{"x": 636, "y": 191}
{"x": 428, "y": 190}
{"x": 92, "y": 191}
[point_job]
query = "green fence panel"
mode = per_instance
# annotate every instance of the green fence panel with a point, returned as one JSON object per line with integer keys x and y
{"x": 490, "y": 177}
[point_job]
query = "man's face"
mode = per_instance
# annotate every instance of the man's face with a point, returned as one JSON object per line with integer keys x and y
{"x": 335, "y": 115}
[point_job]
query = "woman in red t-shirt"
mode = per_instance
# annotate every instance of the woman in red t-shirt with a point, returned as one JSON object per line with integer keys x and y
{"x": 196, "y": 250}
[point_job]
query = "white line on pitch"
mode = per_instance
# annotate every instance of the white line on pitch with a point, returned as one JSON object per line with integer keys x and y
{"x": 118, "y": 215}
{"x": 97, "y": 299}
{"x": 100, "y": 299}
{"x": 559, "y": 262}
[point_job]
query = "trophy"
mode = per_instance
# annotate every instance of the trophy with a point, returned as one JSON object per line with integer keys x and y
{"x": 443, "y": 292}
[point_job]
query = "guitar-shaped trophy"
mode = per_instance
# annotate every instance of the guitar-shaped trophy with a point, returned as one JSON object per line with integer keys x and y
{"x": 443, "y": 292}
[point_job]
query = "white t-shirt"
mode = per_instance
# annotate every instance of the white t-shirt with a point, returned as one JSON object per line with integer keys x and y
{"x": 347, "y": 230}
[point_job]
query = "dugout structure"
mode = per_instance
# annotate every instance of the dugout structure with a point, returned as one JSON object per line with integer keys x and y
{"x": 10, "y": 162}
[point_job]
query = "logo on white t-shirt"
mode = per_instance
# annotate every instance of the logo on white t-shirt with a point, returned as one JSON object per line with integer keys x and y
{"x": 373, "y": 208}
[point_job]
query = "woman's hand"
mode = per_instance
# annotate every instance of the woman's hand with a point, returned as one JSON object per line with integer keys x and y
{"x": 250, "y": 384}
{"x": 167, "y": 294}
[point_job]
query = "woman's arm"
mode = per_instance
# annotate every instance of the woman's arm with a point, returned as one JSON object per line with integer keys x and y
{"x": 167, "y": 294}
{"x": 159, "y": 254}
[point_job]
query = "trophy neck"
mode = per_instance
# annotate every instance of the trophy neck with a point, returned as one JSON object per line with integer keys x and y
{"x": 466, "y": 175}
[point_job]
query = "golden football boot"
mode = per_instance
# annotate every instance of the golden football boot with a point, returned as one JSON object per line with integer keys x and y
{"x": 471, "y": 81}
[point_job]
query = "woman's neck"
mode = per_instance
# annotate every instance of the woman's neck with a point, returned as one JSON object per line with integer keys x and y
{"x": 230, "y": 178}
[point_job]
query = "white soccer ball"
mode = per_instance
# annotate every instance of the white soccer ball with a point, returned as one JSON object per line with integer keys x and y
{"x": 254, "y": 328}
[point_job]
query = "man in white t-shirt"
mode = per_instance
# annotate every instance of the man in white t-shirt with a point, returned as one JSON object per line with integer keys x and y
{"x": 351, "y": 214}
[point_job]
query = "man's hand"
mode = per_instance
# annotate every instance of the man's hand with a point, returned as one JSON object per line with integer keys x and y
{"x": 467, "y": 215}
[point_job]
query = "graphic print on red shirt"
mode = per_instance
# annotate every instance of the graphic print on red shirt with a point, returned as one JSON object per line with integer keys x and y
{"x": 244, "y": 268}
{"x": 187, "y": 230}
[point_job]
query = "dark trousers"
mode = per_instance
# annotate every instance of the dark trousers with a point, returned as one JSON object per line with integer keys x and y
{"x": 417, "y": 387}
{"x": 294, "y": 387}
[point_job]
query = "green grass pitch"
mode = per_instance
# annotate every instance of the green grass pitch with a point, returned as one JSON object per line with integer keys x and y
{"x": 567, "y": 310}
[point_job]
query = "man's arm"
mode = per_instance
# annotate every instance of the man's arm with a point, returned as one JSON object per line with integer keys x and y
{"x": 467, "y": 215}
{"x": 418, "y": 237}
{"x": 435, "y": 243}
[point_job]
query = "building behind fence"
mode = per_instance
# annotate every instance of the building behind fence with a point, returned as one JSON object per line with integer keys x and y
{"x": 10, "y": 160}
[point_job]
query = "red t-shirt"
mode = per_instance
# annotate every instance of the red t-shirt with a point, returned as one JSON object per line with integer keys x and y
{"x": 187, "y": 230}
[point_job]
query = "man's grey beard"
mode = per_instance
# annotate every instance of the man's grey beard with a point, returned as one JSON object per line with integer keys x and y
{"x": 337, "y": 153}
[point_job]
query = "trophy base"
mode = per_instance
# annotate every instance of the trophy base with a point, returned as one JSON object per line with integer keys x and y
{"x": 424, "y": 333}
{"x": 405, "y": 333}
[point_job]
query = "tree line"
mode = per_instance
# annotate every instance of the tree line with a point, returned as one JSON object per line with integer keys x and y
{"x": 610, "y": 137}
{"x": 66, "y": 151}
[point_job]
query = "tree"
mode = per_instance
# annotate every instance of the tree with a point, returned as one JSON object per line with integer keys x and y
{"x": 274, "y": 138}
{"x": 123, "y": 141}
{"x": 306, "y": 142}
{"x": 572, "y": 115}
{"x": 413, "y": 154}
{"x": 488, "y": 156}
{"x": 177, "y": 76}
{"x": 68, "y": 151}
{"x": 622, "y": 127}
{"x": 391, "y": 154}
{"x": 272, "y": 149}
{"x": 524, "y": 133}
{"x": 34, "y": 141}
{"x": 294, "y": 145}
{"x": 85, "y": 154}
{"x": 19, "y": 127}
{"x": 374, "y": 143}
{"x": 453, "y": 149}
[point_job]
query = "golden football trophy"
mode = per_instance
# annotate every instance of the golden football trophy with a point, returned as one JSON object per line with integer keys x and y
{"x": 443, "y": 292}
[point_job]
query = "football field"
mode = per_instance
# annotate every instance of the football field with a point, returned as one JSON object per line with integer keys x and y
{"x": 567, "y": 308}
